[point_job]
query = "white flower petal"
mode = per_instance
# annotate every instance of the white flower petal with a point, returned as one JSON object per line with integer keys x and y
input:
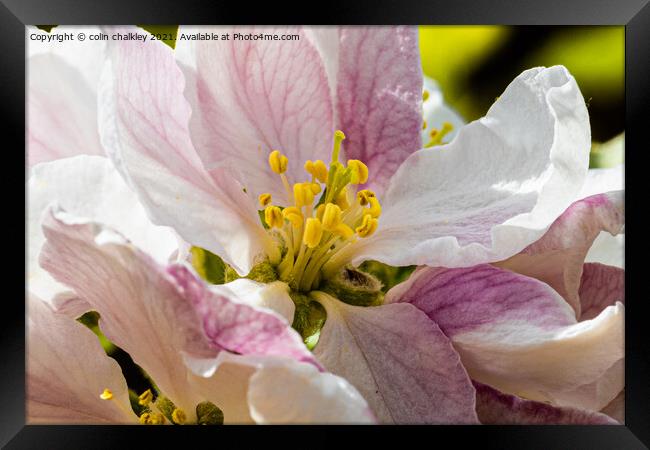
{"x": 493, "y": 190}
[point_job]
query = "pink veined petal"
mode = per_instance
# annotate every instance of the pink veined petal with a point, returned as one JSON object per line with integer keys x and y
{"x": 379, "y": 97}
{"x": 162, "y": 316}
{"x": 497, "y": 408}
{"x": 252, "y": 97}
{"x": 558, "y": 256}
{"x": 518, "y": 335}
{"x": 232, "y": 324}
{"x": 141, "y": 307}
{"x": 67, "y": 370}
{"x": 297, "y": 393}
{"x": 87, "y": 186}
{"x": 600, "y": 287}
{"x": 62, "y": 111}
{"x": 399, "y": 360}
{"x": 495, "y": 188}
{"x": 144, "y": 127}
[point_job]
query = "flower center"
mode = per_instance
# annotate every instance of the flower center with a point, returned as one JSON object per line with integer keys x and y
{"x": 163, "y": 410}
{"x": 328, "y": 215}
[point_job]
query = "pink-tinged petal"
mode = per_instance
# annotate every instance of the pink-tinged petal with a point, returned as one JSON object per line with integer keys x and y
{"x": 518, "y": 335}
{"x": 232, "y": 324}
{"x": 144, "y": 127}
{"x": 252, "y": 97}
{"x": 600, "y": 287}
{"x": 379, "y": 97}
{"x": 296, "y": 393}
{"x": 273, "y": 296}
{"x": 496, "y": 187}
{"x": 616, "y": 408}
{"x": 142, "y": 309}
{"x": 496, "y": 408}
{"x": 399, "y": 360}
{"x": 90, "y": 187}
{"x": 62, "y": 111}
{"x": 557, "y": 257}
{"x": 67, "y": 370}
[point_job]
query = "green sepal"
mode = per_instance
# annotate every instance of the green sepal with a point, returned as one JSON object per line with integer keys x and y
{"x": 388, "y": 275}
{"x": 354, "y": 287}
{"x": 308, "y": 319}
{"x": 207, "y": 413}
{"x": 209, "y": 266}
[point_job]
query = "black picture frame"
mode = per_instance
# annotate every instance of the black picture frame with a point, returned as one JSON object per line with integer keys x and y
{"x": 633, "y": 14}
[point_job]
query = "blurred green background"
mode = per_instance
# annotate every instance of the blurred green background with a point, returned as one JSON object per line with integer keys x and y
{"x": 474, "y": 64}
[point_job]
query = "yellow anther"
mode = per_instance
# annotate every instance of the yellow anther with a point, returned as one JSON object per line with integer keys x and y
{"x": 374, "y": 208}
{"x": 303, "y": 194}
{"x": 338, "y": 138}
{"x": 367, "y": 227}
{"x": 151, "y": 418}
{"x": 331, "y": 217}
{"x": 317, "y": 169}
{"x": 278, "y": 162}
{"x": 320, "y": 210}
{"x": 273, "y": 217}
{"x": 265, "y": 199}
{"x": 342, "y": 199}
{"x": 293, "y": 215}
{"x": 425, "y": 95}
{"x": 315, "y": 188}
{"x": 359, "y": 171}
{"x": 178, "y": 416}
{"x": 364, "y": 196}
{"x": 145, "y": 398}
{"x": 438, "y": 135}
{"x": 313, "y": 232}
{"x": 344, "y": 231}
{"x": 106, "y": 395}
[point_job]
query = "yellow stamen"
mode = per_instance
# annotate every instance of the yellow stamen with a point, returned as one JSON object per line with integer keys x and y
{"x": 265, "y": 199}
{"x": 313, "y": 232}
{"x": 344, "y": 231}
{"x": 424, "y": 124}
{"x": 367, "y": 227}
{"x": 425, "y": 95}
{"x": 178, "y": 416}
{"x": 338, "y": 138}
{"x": 359, "y": 171}
{"x": 438, "y": 135}
{"x": 293, "y": 215}
{"x": 342, "y": 199}
{"x": 145, "y": 398}
{"x": 303, "y": 194}
{"x": 374, "y": 209}
{"x": 152, "y": 418}
{"x": 364, "y": 196}
{"x": 320, "y": 210}
{"x": 315, "y": 188}
{"x": 273, "y": 217}
{"x": 106, "y": 395}
{"x": 278, "y": 162}
{"x": 331, "y": 217}
{"x": 317, "y": 169}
